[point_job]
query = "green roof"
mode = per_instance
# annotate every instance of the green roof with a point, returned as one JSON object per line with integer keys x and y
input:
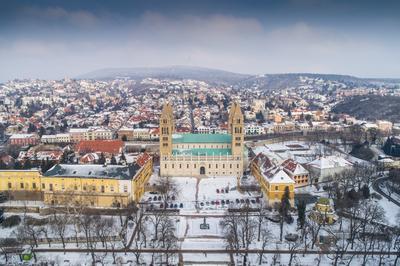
{"x": 201, "y": 138}
{"x": 202, "y": 152}
{"x": 324, "y": 201}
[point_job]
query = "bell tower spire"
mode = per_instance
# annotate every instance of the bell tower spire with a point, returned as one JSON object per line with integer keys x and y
{"x": 166, "y": 129}
{"x": 236, "y": 129}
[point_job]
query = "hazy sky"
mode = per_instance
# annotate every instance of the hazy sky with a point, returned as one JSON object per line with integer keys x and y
{"x": 55, "y": 39}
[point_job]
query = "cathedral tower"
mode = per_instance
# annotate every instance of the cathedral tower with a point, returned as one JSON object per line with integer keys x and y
{"x": 166, "y": 129}
{"x": 236, "y": 129}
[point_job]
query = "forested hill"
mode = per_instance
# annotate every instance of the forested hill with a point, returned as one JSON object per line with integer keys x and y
{"x": 371, "y": 107}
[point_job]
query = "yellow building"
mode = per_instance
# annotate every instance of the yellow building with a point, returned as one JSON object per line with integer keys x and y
{"x": 273, "y": 180}
{"x": 88, "y": 185}
{"x": 21, "y": 184}
{"x": 323, "y": 212}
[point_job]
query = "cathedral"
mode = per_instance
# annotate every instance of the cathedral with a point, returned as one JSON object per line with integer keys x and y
{"x": 202, "y": 155}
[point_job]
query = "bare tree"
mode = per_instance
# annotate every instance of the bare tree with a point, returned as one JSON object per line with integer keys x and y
{"x": 88, "y": 225}
{"x": 9, "y": 246}
{"x": 167, "y": 189}
{"x": 264, "y": 239}
{"x": 58, "y": 225}
{"x": 240, "y": 230}
{"x": 293, "y": 246}
{"x": 313, "y": 226}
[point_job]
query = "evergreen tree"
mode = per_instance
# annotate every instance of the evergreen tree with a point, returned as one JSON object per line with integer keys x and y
{"x": 2, "y": 165}
{"x": 31, "y": 128}
{"x": 285, "y": 203}
{"x": 122, "y": 158}
{"x": 64, "y": 157}
{"x": 27, "y": 164}
{"x": 42, "y": 131}
{"x": 102, "y": 159}
{"x": 17, "y": 165}
{"x": 301, "y": 210}
{"x": 365, "y": 191}
{"x": 113, "y": 160}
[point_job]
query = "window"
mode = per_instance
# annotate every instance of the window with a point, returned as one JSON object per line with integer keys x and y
{"x": 51, "y": 187}
{"x": 103, "y": 189}
{"x": 43, "y": 186}
{"x": 194, "y": 165}
{"x": 94, "y": 188}
{"x": 62, "y": 186}
{"x": 125, "y": 188}
{"x": 76, "y": 187}
{"x": 216, "y": 166}
{"x": 187, "y": 166}
{"x": 172, "y": 166}
{"x": 276, "y": 187}
{"x": 112, "y": 188}
{"x": 223, "y": 165}
{"x": 165, "y": 166}
{"x": 22, "y": 185}
{"x": 180, "y": 166}
{"x": 84, "y": 188}
{"x": 34, "y": 185}
{"x": 165, "y": 144}
{"x": 9, "y": 185}
{"x": 237, "y": 144}
{"x": 230, "y": 166}
{"x": 237, "y": 165}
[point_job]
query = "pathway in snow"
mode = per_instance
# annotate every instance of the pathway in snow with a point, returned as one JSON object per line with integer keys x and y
{"x": 183, "y": 240}
{"x": 197, "y": 194}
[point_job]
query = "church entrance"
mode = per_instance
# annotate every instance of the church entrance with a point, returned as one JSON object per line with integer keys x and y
{"x": 202, "y": 170}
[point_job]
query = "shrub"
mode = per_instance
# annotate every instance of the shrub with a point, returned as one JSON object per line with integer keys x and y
{"x": 11, "y": 221}
{"x": 36, "y": 222}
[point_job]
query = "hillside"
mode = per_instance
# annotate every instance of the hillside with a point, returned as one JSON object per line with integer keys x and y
{"x": 371, "y": 107}
{"x": 216, "y": 76}
{"x": 174, "y": 72}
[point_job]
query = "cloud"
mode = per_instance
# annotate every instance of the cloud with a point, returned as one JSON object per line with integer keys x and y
{"x": 56, "y": 14}
{"x": 241, "y": 44}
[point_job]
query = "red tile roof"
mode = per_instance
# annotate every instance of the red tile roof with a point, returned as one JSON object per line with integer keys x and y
{"x": 142, "y": 159}
{"x": 105, "y": 146}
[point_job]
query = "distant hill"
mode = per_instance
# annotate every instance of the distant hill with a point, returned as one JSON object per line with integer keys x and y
{"x": 173, "y": 72}
{"x": 371, "y": 107}
{"x": 215, "y": 76}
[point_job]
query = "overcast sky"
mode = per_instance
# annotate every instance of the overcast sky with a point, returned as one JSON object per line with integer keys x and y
{"x": 56, "y": 39}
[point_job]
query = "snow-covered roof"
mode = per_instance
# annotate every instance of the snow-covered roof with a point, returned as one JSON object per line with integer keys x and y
{"x": 278, "y": 176}
{"x": 332, "y": 161}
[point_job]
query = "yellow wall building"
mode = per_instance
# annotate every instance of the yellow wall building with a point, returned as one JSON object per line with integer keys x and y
{"x": 88, "y": 185}
{"x": 323, "y": 212}
{"x": 273, "y": 180}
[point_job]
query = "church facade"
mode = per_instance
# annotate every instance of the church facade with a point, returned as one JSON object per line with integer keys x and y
{"x": 202, "y": 155}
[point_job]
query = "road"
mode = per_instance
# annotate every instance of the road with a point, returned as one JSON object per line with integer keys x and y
{"x": 217, "y": 251}
{"x": 376, "y": 187}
